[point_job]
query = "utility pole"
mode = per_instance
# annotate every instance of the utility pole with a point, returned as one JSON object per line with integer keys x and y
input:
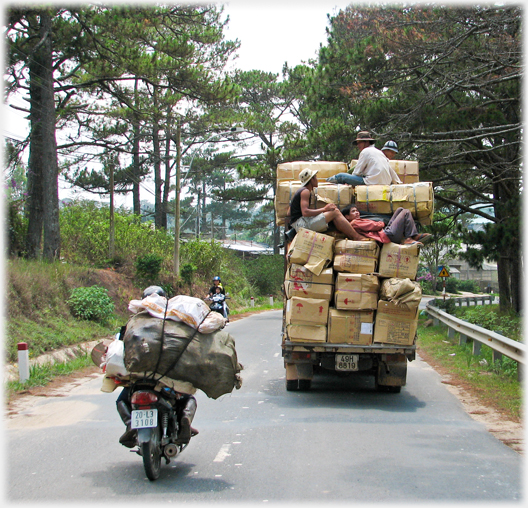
{"x": 111, "y": 240}
{"x": 177, "y": 204}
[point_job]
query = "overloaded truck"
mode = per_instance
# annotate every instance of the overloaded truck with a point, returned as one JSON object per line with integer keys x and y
{"x": 350, "y": 306}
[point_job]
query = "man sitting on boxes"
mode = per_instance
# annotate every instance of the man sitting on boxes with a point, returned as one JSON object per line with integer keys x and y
{"x": 302, "y": 216}
{"x": 400, "y": 228}
{"x": 372, "y": 167}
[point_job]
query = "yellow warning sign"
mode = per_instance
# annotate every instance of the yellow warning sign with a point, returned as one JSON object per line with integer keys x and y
{"x": 443, "y": 272}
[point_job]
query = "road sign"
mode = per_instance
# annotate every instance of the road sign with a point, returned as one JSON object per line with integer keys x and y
{"x": 443, "y": 272}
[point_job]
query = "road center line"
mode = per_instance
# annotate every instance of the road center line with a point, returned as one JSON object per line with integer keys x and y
{"x": 222, "y": 453}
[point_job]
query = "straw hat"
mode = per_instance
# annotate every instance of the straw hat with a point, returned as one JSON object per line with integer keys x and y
{"x": 306, "y": 175}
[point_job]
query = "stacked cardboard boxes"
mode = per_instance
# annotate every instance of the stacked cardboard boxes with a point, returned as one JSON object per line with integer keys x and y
{"x": 412, "y": 194}
{"x": 341, "y": 291}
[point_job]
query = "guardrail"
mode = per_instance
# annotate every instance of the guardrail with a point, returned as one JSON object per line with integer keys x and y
{"x": 498, "y": 343}
{"x": 468, "y": 300}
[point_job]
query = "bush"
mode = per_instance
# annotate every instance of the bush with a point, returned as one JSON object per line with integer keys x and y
{"x": 187, "y": 272}
{"x": 452, "y": 285}
{"x": 266, "y": 273}
{"x": 84, "y": 227}
{"x": 148, "y": 266}
{"x": 468, "y": 285}
{"x": 92, "y": 304}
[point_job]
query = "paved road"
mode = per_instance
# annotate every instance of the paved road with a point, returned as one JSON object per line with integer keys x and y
{"x": 342, "y": 441}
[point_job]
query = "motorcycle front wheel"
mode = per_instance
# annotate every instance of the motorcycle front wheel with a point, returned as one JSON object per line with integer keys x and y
{"x": 151, "y": 453}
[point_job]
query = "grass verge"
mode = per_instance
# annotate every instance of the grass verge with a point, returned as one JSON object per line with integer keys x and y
{"x": 41, "y": 375}
{"x": 495, "y": 384}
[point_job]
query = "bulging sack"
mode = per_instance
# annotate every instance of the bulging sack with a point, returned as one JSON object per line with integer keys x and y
{"x": 187, "y": 309}
{"x": 175, "y": 350}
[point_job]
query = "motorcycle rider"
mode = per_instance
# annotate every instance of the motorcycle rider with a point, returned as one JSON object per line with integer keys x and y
{"x": 185, "y": 404}
{"x": 217, "y": 283}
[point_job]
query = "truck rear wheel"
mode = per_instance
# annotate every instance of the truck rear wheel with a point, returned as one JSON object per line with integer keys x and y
{"x": 305, "y": 384}
{"x": 292, "y": 385}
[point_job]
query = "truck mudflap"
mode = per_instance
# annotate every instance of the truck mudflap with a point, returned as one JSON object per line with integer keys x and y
{"x": 392, "y": 371}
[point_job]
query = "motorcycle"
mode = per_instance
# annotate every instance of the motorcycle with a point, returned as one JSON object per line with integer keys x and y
{"x": 219, "y": 306}
{"x": 155, "y": 418}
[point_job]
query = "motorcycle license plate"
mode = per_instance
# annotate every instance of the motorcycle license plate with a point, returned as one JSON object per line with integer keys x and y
{"x": 144, "y": 418}
{"x": 346, "y": 362}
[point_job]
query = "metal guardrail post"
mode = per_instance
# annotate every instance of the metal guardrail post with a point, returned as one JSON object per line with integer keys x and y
{"x": 462, "y": 339}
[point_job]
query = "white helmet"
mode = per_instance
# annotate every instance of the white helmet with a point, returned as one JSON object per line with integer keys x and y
{"x": 390, "y": 145}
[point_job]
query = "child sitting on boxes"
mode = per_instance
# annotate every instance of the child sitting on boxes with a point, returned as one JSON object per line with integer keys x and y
{"x": 400, "y": 229}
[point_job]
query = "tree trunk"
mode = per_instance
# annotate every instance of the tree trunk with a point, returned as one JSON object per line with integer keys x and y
{"x": 43, "y": 201}
{"x": 135, "y": 158}
{"x": 158, "y": 208}
{"x": 167, "y": 184}
{"x": 51, "y": 250}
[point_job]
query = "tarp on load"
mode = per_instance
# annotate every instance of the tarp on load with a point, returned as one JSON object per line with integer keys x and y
{"x": 207, "y": 361}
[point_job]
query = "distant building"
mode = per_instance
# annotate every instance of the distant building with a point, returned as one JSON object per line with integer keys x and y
{"x": 486, "y": 277}
{"x": 246, "y": 248}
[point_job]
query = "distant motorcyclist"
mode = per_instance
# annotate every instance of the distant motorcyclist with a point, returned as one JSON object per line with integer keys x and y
{"x": 185, "y": 405}
{"x": 213, "y": 295}
{"x": 217, "y": 283}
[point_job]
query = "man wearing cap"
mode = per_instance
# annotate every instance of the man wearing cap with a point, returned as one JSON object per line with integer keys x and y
{"x": 372, "y": 167}
{"x": 302, "y": 216}
{"x": 390, "y": 149}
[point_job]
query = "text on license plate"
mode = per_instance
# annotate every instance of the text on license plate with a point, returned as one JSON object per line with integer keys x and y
{"x": 346, "y": 362}
{"x": 143, "y": 418}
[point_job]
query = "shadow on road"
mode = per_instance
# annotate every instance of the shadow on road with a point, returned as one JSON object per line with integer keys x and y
{"x": 335, "y": 391}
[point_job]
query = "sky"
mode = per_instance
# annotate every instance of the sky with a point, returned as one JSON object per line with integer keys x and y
{"x": 275, "y": 32}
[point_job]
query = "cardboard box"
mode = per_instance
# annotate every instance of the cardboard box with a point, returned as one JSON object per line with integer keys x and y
{"x": 386, "y": 199}
{"x": 301, "y": 274}
{"x": 356, "y": 257}
{"x": 291, "y": 170}
{"x": 395, "y": 325}
{"x": 339, "y": 194}
{"x": 302, "y": 282}
{"x": 350, "y": 327}
{"x": 306, "y": 333}
{"x": 406, "y": 170}
{"x": 306, "y": 311}
{"x": 398, "y": 260}
{"x": 313, "y": 250}
{"x": 356, "y": 291}
{"x": 283, "y": 197}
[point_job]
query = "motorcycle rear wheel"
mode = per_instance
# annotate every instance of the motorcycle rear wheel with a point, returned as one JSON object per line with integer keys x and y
{"x": 151, "y": 453}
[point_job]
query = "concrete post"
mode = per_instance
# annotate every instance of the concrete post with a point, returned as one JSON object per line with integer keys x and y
{"x": 23, "y": 361}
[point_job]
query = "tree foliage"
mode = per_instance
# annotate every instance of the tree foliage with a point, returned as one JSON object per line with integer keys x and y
{"x": 444, "y": 82}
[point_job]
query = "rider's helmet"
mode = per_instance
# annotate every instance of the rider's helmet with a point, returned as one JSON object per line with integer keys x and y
{"x": 216, "y": 278}
{"x": 154, "y": 290}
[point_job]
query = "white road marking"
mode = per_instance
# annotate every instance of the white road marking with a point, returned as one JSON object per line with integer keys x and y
{"x": 222, "y": 453}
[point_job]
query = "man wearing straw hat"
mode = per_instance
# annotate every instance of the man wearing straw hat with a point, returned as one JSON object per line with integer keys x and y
{"x": 372, "y": 167}
{"x": 302, "y": 216}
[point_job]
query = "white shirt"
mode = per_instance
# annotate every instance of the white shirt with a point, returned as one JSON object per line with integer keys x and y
{"x": 374, "y": 167}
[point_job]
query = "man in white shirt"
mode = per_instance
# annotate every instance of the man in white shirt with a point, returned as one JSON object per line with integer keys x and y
{"x": 372, "y": 167}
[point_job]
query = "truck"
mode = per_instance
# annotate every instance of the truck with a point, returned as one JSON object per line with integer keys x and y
{"x": 387, "y": 363}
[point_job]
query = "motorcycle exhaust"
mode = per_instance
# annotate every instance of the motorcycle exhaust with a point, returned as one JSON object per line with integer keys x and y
{"x": 171, "y": 450}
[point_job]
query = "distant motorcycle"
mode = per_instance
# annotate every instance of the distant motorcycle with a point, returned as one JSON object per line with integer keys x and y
{"x": 219, "y": 304}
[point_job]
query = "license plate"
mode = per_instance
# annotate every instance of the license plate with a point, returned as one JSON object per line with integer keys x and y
{"x": 143, "y": 418}
{"x": 346, "y": 362}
